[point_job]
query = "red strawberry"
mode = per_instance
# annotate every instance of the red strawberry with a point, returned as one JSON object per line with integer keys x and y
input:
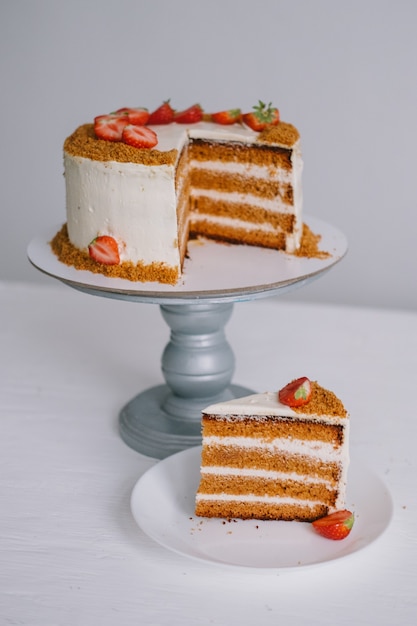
{"x": 189, "y": 116}
{"x": 261, "y": 117}
{"x": 164, "y": 114}
{"x": 232, "y": 116}
{"x": 335, "y": 526}
{"x": 110, "y": 127}
{"x": 139, "y": 136}
{"x": 104, "y": 249}
{"x": 296, "y": 393}
{"x": 121, "y": 111}
{"x": 138, "y": 116}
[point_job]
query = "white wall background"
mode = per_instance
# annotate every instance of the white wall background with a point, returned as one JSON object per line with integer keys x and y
{"x": 343, "y": 72}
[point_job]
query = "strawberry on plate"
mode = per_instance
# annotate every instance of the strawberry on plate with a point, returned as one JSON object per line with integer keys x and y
{"x": 139, "y": 136}
{"x": 104, "y": 249}
{"x": 261, "y": 116}
{"x": 192, "y": 115}
{"x": 335, "y": 526}
{"x": 232, "y": 116}
{"x": 110, "y": 127}
{"x": 296, "y": 393}
{"x": 164, "y": 114}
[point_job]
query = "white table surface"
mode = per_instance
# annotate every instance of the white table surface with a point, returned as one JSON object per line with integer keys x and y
{"x": 70, "y": 551}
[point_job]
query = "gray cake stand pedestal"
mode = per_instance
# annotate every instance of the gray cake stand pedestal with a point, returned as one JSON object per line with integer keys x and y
{"x": 197, "y": 363}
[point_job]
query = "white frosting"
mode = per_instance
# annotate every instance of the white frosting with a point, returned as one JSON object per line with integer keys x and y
{"x": 136, "y": 204}
{"x": 260, "y": 405}
{"x": 221, "y": 470}
{"x": 228, "y": 497}
{"x": 116, "y": 199}
{"x": 246, "y": 169}
{"x": 314, "y": 449}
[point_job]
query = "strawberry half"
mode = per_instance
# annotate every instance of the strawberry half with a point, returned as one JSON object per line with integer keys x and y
{"x": 110, "y": 127}
{"x": 164, "y": 114}
{"x": 232, "y": 116}
{"x": 261, "y": 117}
{"x": 138, "y": 116}
{"x": 335, "y": 526}
{"x": 104, "y": 249}
{"x": 296, "y": 393}
{"x": 192, "y": 115}
{"x": 139, "y": 136}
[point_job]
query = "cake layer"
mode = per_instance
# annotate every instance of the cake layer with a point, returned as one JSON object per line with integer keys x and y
{"x": 237, "y": 152}
{"x": 218, "y": 181}
{"x": 263, "y": 486}
{"x": 204, "y": 206}
{"x": 269, "y": 428}
{"x": 269, "y": 459}
{"x": 231, "y": 233}
{"x": 290, "y": 510}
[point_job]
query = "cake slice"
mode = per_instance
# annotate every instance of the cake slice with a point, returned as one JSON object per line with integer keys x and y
{"x": 263, "y": 459}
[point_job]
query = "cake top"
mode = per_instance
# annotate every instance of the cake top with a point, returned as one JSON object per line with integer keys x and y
{"x": 137, "y": 136}
{"x": 323, "y": 405}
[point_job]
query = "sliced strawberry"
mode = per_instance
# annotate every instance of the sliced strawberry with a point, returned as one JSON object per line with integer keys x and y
{"x": 296, "y": 393}
{"x": 261, "y": 116}
{"x": 192, "y": 115}
{"x": 110, "y": 127}
{"x": 138, "y": 116}
{"x": 164, "y": 114}
{"x": 232, "y": 116}
{"x": 104, "y": 249}
{"x": 139, "y": 136}
{"x": 335, "y": 526}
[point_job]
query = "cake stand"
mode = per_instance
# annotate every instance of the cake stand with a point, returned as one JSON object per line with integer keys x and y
{"x": 198, "y": 362}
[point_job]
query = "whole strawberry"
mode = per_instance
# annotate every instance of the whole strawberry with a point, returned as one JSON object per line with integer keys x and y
{"x": 261, "y": 117}
{"x": 335, "y": 526}
{"x": 231, "y": 116}
{"x": 192, "y": 115}
{"x": 164, "y": 114}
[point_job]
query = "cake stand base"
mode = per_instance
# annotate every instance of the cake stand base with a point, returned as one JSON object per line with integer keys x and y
{"x": 149, "y": 429}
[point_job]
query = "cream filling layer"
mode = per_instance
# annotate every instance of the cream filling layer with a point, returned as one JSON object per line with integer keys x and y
{"x": 221, "y": 470}
{"x": 254, "y": 171}
{"x": 233, "y": 223}
{"x": 315, "y": 449}
{"x": 252, "y": 498}
{"x": 274, "y": 205}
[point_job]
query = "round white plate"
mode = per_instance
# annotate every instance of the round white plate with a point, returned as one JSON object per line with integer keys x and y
{"x": 163, "y": 506}
{"x": 212, "y": 269}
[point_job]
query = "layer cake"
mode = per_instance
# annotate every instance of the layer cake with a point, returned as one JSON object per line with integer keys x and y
{"x": 203, "y": 179}
{"x": 262, "y": 459}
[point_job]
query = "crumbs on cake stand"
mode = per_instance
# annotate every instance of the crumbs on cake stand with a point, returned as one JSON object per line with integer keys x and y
{"x": 309, "y": 246}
